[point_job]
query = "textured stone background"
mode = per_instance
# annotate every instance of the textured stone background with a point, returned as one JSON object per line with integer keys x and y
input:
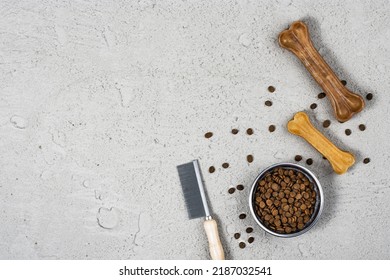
{"x": 99, "y": 101}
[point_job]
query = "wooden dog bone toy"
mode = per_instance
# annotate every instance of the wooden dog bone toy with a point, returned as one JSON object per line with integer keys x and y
{"x": 345, "y": 103}
{"x": 302, "y": 126}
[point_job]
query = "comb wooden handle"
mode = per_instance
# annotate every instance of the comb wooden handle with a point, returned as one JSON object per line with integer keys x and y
{"x": 215, "y": 245}
{"x": 302, "y": 126}
{"x": 345, "y": 103}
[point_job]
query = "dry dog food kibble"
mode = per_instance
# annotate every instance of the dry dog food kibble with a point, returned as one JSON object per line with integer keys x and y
{"x": 211, "y": 169}
{"x": 271, "y": 128}
{"x": 313, "y": 106}
{"x": 298, "y": 158}
{"x": 242, "y": 245}
{"x": 231, "y": 190}
{"x": 326, "y": 123}
{"x": 249, "y": 158}
{"x": 369, "y": 96}
{"x": 251, "y": 239}
{"x": 249, "y": 230}
{"x": 344, "y": 82}
{"x": 237, "y": 235}
{"x": 309, "y": 161}
{"x": 348, "y": 132}
{"x": 271, "y": 89}
{"x": 366, "y": 160}
{"x": 362, "y": 127}
{"x": 225, "y": 165}
{"x": 234, "y": 131}
{"x": 249, "y": 131}
{"x": 268, "y": 103}
{"x": 240, "y": 187}
{"x": 285, "y": 200}
{"x": 242, "y": 216}
{"x": 208, "y": 135}
{"x": 321, "y": 95}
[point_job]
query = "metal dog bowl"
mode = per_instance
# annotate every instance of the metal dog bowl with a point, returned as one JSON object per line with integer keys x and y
{"x": 318, "y": 207}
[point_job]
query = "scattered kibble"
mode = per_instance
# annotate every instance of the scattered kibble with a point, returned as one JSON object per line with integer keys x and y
{"x": 268, "y": 103}
{"x": 249, "y": 158}
{"x": 362, "y": 127}
{"x": 225, "y": 165}
{"x": 242, "y": 245}
{"x": 208, "y": 135}
{"x": 326, "y": 123}
{"x": 309, "y": 161}
{"x": 366, "y": 160}
{"x": 298, "y": 158}
{"x": 251, "y": 239}
{"x": 249, "y": 230}
{"x": 249, "y": 131}
{"x": 211, "y": 169}
{"x": 313, "y": 106}
{"x": 321, "y": 95}
{"x": 348, "y": 132}
{"x": 234, "y": 131}
{"x": 231, "y": 190}
{"x": 344, "y": 82}
{"x": 240, "y": 187}
{"x": 369, "y": 96}
{"x": 237, "y": 235}
{"x": 271, "y": 128}
{"x": 242, "y": 216}
{"x": 271, "y": 89}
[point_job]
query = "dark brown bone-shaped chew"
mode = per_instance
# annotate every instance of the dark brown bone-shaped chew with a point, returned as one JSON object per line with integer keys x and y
{"x": 340, "y": 160}
{"x": 345, "y": 103}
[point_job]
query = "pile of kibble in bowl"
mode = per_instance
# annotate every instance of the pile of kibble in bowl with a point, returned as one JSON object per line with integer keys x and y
{"x": 285, "y": 200}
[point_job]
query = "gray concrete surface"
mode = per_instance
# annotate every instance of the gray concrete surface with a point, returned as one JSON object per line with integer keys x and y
{"x": 99, "y": 101}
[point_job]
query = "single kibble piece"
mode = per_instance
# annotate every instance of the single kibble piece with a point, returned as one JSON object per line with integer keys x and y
{"x": 348, "y": 132}
{"x": 249, "y": 158}
{"x": 240, "y": 187}
{"x": 298, "y": 158}
{"x": 321, "y": 95}
{"x": 231, "y": 190}
{"x": 271, "y": 128}
{"x": 211, "y": 169}
{"x": 249, "y": 230}
{"x": 309, "y": 161}
{"x": 237, "y": 235}
{"x": 285, "y": 200}
{"x": 366, "y": 160}
{"x": 344, "y": 82}
{"x": 271, "y": 89}
{"x": 326, "y": 123}
{"x": 251, "y": 239}
{"x": 369, "y": 96}
{"x": 313, "y": 106}
{"x": 242, "y": 216}
{"x": 234, "y": 131}
{"x": 268, "y": 103}
{"x": 208, "y": 135}
{"x": 362, "y": 127}
{"x": 242, "y": 245}
{"x": 249, "y": 131}
{"x": 225, "y": 165}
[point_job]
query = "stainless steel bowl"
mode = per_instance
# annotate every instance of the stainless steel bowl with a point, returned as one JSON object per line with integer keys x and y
{"x": 318, "y": 207}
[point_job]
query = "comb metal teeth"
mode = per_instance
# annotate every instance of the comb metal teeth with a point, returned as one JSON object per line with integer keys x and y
{"x": 192, "y": 189}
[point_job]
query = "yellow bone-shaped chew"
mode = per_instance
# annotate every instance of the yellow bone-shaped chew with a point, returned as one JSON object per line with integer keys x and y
{"x": 302, "y": 126}
{"x": 345, "y": 103}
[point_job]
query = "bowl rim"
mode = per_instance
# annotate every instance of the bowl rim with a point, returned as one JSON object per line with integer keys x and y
{"x": 308, "y": 173}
